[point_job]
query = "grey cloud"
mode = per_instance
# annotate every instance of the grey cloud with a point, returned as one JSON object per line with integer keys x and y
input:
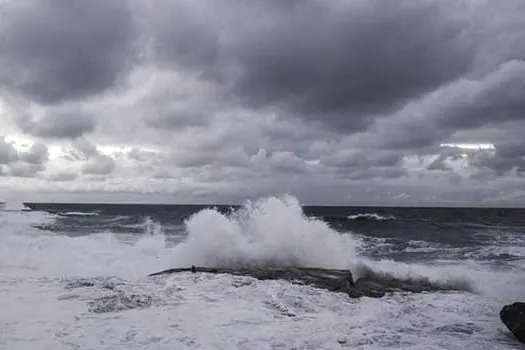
{"x": 498, "y": 98}
{"x": 499, "y": 29}
{"x": 487, "y": 164}
{"x": 378, "y": 172}
{"x": 100, "y": 164}
{"x": 182, "y": 33}
{"x": 275, "y": 95}
{"x": 237, "y": 161}
{"x": 61, "y": 122}
{"x": 63, "y": 176}
{"x": 80, "y": 150}
{"x": 8, "y": 153}
{"x": 439, "y": 164}
{"x": 282, "y": 161}
{"x": 141, "y": 155}
{"x": 93, "y": 161}
{"x": 22, "y": 169}
{"x": 55, "y": 50}
{"x": 504, "y": 158}
{"x": 22, "y": 163}
{"x": 272, "y": 133}
{"x": 358, "y": 158}
{"x": 84, "y": 149}
{"x": 200, "y": 157}
{"x": 335, "y": 62}
{"x": 342, "y": 63}
{"x": 173, "y": 116}
{"x": 462, "y": 105}
{"x": 167, "y": 100}
{"x": 37, "y": 154}
{"x": 445, "y": 154}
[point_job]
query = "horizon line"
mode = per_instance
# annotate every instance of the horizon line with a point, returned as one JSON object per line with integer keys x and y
{"x": 422, "y": 205}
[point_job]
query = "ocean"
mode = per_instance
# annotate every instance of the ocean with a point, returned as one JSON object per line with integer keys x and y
{"x": 74, "y": 276}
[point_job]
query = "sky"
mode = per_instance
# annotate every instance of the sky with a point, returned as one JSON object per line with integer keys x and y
{"x": 354, "y": 102}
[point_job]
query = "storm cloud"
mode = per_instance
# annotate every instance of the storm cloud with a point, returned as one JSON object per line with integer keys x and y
{"x": 57, "y": 123}
{"x": 345, "y": 64}
{"x": 56, "y": 50}
{"x": 373, "y": 101}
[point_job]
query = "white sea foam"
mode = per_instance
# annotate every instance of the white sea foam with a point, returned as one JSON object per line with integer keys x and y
{"x": 221, "y": 311}
{"x": 272, "y": 231}
{"x": 371, "y": 216}
{"x": 79, "y": 213}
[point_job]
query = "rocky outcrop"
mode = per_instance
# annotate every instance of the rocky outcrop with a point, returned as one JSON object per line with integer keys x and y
{"x": 370, "y": 284}
{"x": 513, "y": 316}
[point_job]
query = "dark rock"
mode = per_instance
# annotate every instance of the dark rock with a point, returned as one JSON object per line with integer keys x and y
{"x": 513, "y": 316}
{"x": 370, "y": 284}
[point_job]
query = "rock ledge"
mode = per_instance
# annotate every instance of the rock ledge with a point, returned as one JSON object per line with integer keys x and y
{"x": 370, "y": 284}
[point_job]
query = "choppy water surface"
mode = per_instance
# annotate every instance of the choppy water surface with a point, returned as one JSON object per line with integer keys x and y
{"x": 74, "y": 277}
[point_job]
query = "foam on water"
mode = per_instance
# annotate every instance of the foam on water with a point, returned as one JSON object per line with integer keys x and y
{"x": 77, "y": 213}
{"x": 26, "y": 250}
{"x": 371, "y": 216}
{"x": 221, "y": 311}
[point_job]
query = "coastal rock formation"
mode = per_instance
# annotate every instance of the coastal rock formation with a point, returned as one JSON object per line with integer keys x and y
{"x": 370, "y": 284}
{"x": 513, "y": 316}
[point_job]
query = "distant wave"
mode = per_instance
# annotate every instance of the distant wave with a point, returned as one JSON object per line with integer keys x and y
{"x": 116, "y": 218}
{"x": 79, "y": 213}
{"x": 370, "y": 216}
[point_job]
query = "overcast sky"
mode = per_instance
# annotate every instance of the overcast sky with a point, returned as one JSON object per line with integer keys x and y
{"x": 336, "y": 102}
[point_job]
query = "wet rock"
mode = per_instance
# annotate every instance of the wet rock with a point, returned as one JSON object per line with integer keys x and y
{"x": 370, "y": 284}
{"x": 513, "y": 316}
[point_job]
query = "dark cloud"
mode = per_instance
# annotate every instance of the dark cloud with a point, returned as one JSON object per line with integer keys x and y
{"x": 495, "y": 99}
{"x": 55, "y": 50}
{"x": 446, "y": 154}
{"x": 462, "y": 105}
{"x": 356, "y": 158}
{"x": 310, "y": 96}
{"x": 504, "y": 158}
{"x": 184, "y": 34}
{"x": 335, "y": 62}
{"x": 178, "y": 116}
{"x": 375, "y": 173}
{"x": 58, "y": 123}
{"x": 343, "y": 62}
